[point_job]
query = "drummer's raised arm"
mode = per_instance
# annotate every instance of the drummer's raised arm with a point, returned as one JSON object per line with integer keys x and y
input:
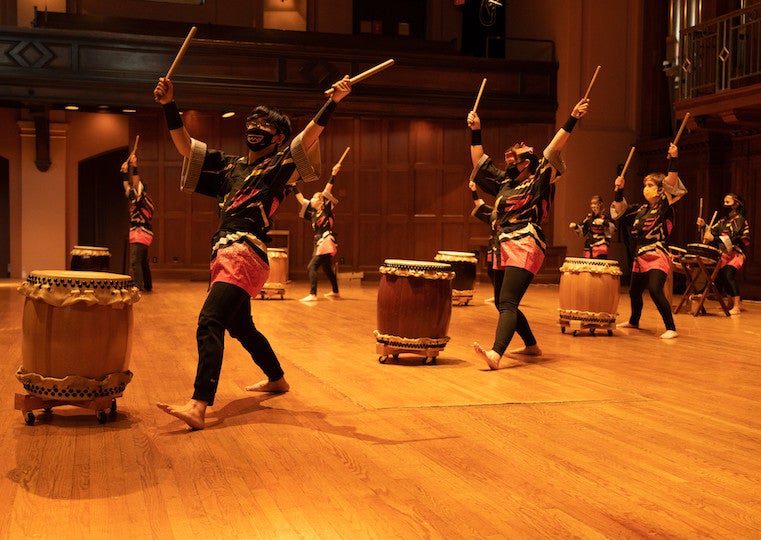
{"x": 476, "y": 148}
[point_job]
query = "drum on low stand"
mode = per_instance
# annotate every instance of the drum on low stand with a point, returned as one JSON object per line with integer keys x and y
{"x": 414, "y": 308}
{"x": 275, "y": 285}
{"x": 589, "y": 292}
{"x": 464, "y": 264}
{"x": 96, "y": 259}
{"x": 76, "y": 342}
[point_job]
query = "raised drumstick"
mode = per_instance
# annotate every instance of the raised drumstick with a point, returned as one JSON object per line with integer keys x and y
{"x": 628, "y": 159}
{"x": 181, "y": 53}
{"x": 480, "y": 91}
{"x": 681, "y": 128}
{"x": 712, "y": 220}
{"x": 589, "y": 88}
{"x": 366, "y": 74}
{"x": 344, "y": 155}
{"x": 134, "y": 148}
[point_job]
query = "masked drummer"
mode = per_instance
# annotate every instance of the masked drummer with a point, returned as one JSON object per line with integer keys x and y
{"x": 731, "y": 234}
{"x": 249, "y": 190}
{"x": 596, "y": 229}
{"x": 319, "y": 212}
{"x": 652, "y": 223}
{"x": 524, "y": 193}
{"x": 140, "y": 229}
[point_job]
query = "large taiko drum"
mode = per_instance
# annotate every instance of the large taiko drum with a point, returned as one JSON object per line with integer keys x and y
{"x": 93, "y": 258}
{"x": 464, "y": 265}
{"x": 414, "y": 306}
{"x": 589, "y": 291}
{"x": 76, "y": 331}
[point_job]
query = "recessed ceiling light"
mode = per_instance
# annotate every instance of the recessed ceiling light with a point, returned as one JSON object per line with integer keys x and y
{"x": 129, "y": 110}
{"x": 228, "y": 114}
{"x": 71, "y": 108}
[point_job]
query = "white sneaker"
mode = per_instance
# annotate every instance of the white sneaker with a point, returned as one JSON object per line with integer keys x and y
{"x": 669, "y": 334}
{"x": 309, "y": 298}
{"x": 332, "y": 296}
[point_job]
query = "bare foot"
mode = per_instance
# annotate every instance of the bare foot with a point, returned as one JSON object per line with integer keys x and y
{"x": 278, "y": 387}
{"x": 529, "y": 350}
{"x": 193, "y": 413}
{"x": 491, "y": 358}
{"x": 734, "y": 311}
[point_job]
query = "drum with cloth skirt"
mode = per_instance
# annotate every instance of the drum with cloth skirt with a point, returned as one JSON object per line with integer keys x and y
{"x": 76, "y": 339}
{"x": 464, "y": 265}
{"x": 414, "y": 308}
{"x": 589, "y": 293}
{"x": 275, "y": 285}
{"x": 96, "y": 259}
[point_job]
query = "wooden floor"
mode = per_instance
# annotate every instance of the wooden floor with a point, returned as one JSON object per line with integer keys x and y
{"x": 623, "y": 436}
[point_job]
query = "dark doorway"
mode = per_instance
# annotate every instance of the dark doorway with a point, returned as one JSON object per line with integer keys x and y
{"x": 103, "y": 208}
{"x": 5, "y": 220}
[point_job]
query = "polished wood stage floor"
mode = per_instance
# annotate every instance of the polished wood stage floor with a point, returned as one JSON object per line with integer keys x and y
{"x": 622, "y": 436}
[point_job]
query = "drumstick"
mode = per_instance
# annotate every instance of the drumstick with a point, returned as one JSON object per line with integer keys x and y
{"x": 681, "y": 128}
{"x": 481, "y": 91}
{"x": 344, "y": 155}
{"x": 134, "y": 149}
{"x": 712, "y": 219}
{"x": 181, "y": 53}
{"x": 628, "y": 159}
{"x": 365, "y": 74}
{"x": 589, "y": 88}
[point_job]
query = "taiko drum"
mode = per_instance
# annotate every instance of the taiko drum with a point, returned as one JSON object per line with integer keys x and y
{"x": 589, "y": 290}
{"x": 76, "y": 329}
{"x": 414, "y": 303}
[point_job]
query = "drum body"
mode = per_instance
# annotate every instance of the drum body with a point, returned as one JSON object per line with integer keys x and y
{"x": 414, "y": 304}
{"x": 278, "y": 258}
{"x": 76, "y": 329}
{"x": 96, "y": 259}
{"x": 589, "y": 290}
{"x": 709, "y": 254}
{"x": 464, "y": 265}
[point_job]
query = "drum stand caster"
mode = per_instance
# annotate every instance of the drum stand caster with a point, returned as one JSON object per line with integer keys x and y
{"x": 27, "y": 404}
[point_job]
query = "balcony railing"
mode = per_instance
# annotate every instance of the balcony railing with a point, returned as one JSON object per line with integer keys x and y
{"x": 720, "y": 55}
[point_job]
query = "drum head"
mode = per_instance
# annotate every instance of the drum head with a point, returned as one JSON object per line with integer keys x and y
{"x": 416, "y": 265}
{"x": 76, "y": 276}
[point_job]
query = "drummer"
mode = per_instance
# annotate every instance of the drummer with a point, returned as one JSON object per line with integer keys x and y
{"x": 652, "y": 224}
{"x": 319, "y": 211}
{"x": 596, "y": 229}
{"x": 731, "y": 234}
{"x": 524, "y": 193}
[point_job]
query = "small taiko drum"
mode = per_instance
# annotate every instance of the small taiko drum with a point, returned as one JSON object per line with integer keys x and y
{"x": 275, "y": 285}
{"x": 464, "y": 265}
{"x": 96, "y": 259}
{"x": 76, "y": 330}
{"x": 677, "y": 254}
{"x": 709, "y": 254}
{"x": 414, "y": 307}
{"x": 589, "y": 291}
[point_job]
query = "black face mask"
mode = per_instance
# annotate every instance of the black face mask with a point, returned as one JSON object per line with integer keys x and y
{"x": 263, "y": 143}
{"x": 512, "y": 171}
{"x": 728, "y": 208}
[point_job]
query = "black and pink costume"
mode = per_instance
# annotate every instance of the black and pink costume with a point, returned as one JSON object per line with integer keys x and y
{"x": 520, "y": 207}
{"x": 325, "y": 244}
{"x": 140, "y": 231}
{"x": 249, "y": 194}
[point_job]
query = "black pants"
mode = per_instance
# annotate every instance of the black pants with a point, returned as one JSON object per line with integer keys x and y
{"x": 141, "y": 271}
{"x": 727, "y": 280}
{"x": 510, "y": 285}
{"x": 653, "y": 281}
{"x": 228, "y": 307}
{"x": 326, "y": 262}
